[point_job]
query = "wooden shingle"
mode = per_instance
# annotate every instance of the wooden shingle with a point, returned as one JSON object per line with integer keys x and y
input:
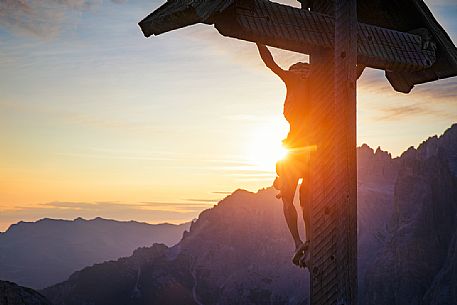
{"x": 401, "y": 37}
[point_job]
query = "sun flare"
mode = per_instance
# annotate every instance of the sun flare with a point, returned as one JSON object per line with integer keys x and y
{"x": 265, "y": 147}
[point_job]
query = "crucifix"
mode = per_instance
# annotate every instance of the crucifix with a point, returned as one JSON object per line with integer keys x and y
{"x": 342, "y": 37}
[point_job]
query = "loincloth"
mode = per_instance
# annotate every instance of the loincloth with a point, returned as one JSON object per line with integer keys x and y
{"x": 290, "y": 169}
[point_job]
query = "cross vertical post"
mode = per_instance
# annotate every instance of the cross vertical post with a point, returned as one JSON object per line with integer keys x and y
{"x": 334, "y": 165}
{"x": 346, "y": 153}
{"x": 323, "y": 283}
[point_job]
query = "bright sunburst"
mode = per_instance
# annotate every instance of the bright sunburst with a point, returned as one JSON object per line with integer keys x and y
{"x": 265, "y": 146}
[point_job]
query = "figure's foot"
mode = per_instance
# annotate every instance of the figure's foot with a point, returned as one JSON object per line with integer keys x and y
{"x": 304, "y": 261}
{"x": 300, "y": 251}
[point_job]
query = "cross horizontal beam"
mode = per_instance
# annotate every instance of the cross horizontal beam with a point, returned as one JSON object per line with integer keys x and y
{"x": 306, "y": 32}
{"x": 423, "y": 55}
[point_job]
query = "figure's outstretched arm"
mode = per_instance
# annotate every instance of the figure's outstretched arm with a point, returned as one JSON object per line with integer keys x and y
{"x": 269, "y": 61}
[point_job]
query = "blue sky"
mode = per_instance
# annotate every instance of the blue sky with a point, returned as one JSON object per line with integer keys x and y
{"x": 93, "y": 113}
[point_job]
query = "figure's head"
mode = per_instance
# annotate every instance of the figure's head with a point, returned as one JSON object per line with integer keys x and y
{"x": 301, "y": 68}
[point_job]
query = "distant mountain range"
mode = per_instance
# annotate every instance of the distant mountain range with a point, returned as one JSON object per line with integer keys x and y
{"x": 239, "y": 251}
{"x": 40, "y": 254}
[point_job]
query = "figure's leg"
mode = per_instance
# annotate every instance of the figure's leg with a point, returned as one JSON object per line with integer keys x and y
{"x": 291, "y": 217}
{"x": 290, "y": 213}
{"x": 287, "y": 183}
{"x": 305, "y": 197}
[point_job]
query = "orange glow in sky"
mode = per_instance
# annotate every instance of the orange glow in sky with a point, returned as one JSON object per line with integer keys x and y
{"x": 96, "y": 120}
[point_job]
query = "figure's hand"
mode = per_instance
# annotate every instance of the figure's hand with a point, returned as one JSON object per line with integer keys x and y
{"x": 269, "y": 61}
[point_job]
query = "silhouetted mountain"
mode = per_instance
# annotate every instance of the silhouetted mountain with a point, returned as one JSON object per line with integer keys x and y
{"x": 239, "y": 251}
{"x": 416, "y": 260}
{"x": 42, "y": 253}
{"x": 235, "y": 253}
{"x": 12, "y": 294}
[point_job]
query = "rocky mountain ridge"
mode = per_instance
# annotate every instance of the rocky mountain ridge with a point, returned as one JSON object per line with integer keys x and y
{"x": 12, "y": 294}
{"x": 45, "y": 252}
{"x": 415, "y": 259}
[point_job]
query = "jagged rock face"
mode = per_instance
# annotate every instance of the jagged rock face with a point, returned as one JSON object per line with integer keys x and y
{"x": 415, "y": 261}
{"x": 12, "y": 294}
{"x": 446, "y": 145}
{"x": 146, "y": 277}
{"x": 40, "y": 254}
{"x": 249, "y": 249}
{"x": 239, "y": 251}
{"x": 377, "y": 173}
{"x": 443, "y": 290}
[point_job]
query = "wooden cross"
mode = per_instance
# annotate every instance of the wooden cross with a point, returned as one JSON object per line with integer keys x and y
{"x": 342, "y": 37}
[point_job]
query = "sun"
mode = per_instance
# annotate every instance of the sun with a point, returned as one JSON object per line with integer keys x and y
{"x": 265, "y": 146}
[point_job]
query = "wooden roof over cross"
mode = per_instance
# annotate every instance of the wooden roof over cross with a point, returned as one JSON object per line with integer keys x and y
{"x": 401, "y": 37}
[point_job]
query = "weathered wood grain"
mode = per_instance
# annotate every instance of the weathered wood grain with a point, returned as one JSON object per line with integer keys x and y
{"x": 306, "y": 32}
{"x": 408, "y": 59}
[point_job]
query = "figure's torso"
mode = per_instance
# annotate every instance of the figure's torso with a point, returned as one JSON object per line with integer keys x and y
{"x": 296, "y": 110}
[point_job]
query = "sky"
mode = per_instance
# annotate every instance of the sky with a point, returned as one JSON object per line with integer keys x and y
{"x": 96, "y": 120}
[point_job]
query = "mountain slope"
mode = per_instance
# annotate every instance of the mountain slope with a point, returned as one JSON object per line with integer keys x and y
{"x": 239, "y": 251}
{"x": 42, "y": 253}
{"x": 12, "y": 294}
{"x": 231, "y": 255}
{"x": 416, "y": 258}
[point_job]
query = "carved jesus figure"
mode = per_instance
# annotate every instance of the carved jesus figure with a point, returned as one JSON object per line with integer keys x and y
{"x": 295, "y": 166}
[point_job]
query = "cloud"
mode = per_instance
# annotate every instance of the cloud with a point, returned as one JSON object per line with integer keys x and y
{"x": 151, "y": 212}
{"x": 441, "y": 91}
{"x": 399, "y": 112}
{"x": 75, "y": 118}
{"x": 202, "y": 200}
{"x": 150, "y": 206}
{"x": 373, "y": 80}
{"x": 435, "y": 99}
{"x": 197, "y": 204}
{"x": 41, "y": 18}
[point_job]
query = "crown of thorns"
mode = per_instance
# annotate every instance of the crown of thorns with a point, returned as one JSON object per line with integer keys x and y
{"x": 300, "y": 66}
